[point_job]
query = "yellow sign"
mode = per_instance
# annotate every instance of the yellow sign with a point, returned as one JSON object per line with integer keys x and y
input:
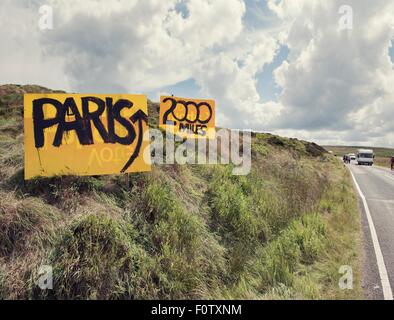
{"x": 77, "y": 134}
{"x": 188, "y": 118}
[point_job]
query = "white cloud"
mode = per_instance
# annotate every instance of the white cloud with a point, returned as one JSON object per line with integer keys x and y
{"x": 21, "y": 57}
{"x": 204, "y": 27}
{"x": 140, "y": 45}
{"x": 143, "y": 46}
{"x": 289, "y": 9}
{"x": 337, "y": 81}
{"x": 334, "y": 84}
{"x": 233, "y": 82}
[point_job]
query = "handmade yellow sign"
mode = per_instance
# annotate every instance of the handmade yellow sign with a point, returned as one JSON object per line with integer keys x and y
{"x": 78, "y": 134}
{"x": 188, "y": 118}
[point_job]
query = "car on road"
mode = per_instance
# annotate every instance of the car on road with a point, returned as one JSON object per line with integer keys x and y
{"x": 352, "y": 156}
{"x": 365, "y": 157}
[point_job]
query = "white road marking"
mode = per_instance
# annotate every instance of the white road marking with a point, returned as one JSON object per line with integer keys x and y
{"x": 387, "y": 293}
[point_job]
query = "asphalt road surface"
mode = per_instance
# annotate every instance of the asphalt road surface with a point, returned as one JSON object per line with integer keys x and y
{"x": 376, "y": 192}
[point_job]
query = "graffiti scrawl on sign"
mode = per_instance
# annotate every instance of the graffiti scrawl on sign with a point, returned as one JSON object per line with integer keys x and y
{"x": 76, "y": 134}
{"x": 188, "y": 118}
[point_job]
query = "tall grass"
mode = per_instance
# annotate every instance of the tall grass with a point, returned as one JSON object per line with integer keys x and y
{"x": 96, "y": 258}
{"x": 180, "y": 231}
{"x": 190, "y": 259}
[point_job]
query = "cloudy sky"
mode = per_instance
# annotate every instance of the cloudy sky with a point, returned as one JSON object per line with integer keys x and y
{"x": 290, "y": 67}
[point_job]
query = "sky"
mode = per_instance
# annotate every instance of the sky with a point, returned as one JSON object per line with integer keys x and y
{"x": 298, "y": 68}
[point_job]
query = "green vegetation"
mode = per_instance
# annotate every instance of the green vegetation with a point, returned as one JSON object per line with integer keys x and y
{"x": 282, "y": 232}
{"x": 96, "y": 257}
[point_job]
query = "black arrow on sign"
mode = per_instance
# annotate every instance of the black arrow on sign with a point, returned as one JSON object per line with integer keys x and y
{"x": 140, "y": 117}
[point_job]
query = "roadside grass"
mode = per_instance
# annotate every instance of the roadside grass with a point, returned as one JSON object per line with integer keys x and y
{"x": 180, "y": 232}
{"x": 304, "y": 260}
{"x": 24, "y": 224}
{"x": 343, "y": 222}
{"x": 28, "y": 228}
{"x": 383, "y": 162}
{"x": 190, "y": 259}
{"x": 96, "y": 258}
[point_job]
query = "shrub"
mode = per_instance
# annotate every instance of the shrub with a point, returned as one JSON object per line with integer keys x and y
{"x": 63, "y": 192}
{"x": 96, "y": 258}
{"x": 301, "y": 243}
{"x": 233, "y": 217}
{"x": 230, "y": 212}
{"x": 309, "y": 234}
{"x": 26, "y": 222}
{"x": 278, "y": 261}
{"x": 189, "y": 257}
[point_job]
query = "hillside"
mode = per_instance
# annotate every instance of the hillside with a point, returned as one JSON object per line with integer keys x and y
{"x": 282, "y": 232}
{"x": 383, "y": 155}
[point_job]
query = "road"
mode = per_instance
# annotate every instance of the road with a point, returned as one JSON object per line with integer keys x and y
{"x": 377, "y": 188}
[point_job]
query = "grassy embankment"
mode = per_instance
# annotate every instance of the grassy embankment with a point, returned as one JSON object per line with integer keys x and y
{"x": 281, "y": 232}
{"x": 383, "y": 155}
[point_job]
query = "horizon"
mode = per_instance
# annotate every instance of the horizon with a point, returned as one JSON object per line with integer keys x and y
{"x": 255, "y": 131}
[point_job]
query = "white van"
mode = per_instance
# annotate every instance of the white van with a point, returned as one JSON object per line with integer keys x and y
{"x": 365, "y": 157}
